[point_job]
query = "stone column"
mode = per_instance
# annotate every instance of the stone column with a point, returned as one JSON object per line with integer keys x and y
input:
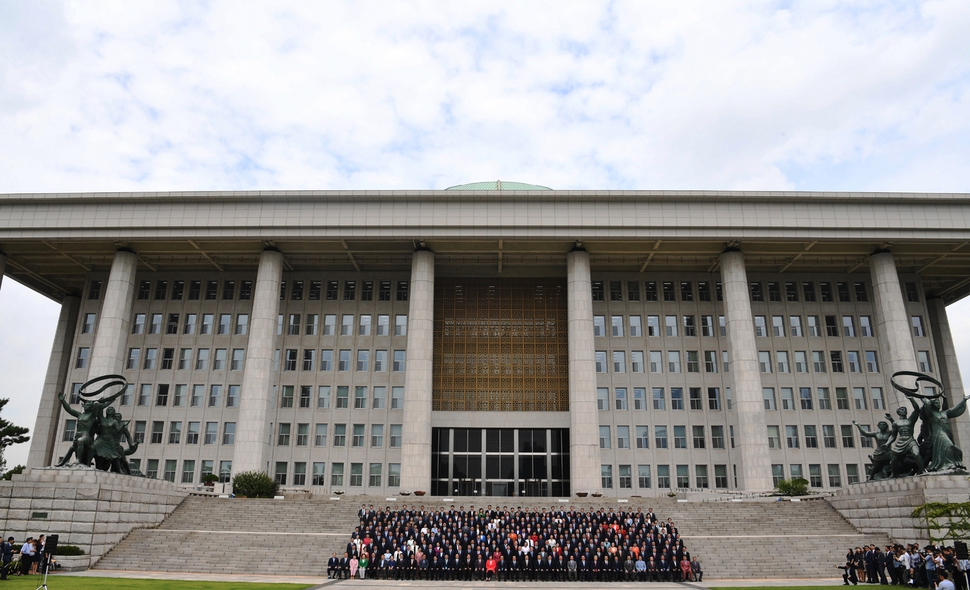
{"x": 44, "y": 437}
{"x": 893, "y": 330}
{"x": 584, "y": 451}
{"x": 948, "y": 368}
{"x": 108, "y": 354}
{"x": 256, "y": 393}
{"x": 416, "y": 447}
{"x": 755, "y": 466}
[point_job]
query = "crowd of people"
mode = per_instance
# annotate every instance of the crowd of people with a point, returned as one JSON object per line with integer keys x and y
{"x": 30, "y": 553}
{"x": 508, "y": 544}
{"x": 933, "y": 567}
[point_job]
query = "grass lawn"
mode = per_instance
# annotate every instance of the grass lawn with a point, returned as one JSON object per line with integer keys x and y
{"x": 60, "y": 582}
{"x": 773, "y": 587}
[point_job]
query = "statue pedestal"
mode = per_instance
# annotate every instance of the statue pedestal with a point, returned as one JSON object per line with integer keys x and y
{"x": 85, "y": 507}
{"x": 886, "y": 506}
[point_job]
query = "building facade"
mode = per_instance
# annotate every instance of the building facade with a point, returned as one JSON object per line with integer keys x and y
{"x": 496, "y": 339}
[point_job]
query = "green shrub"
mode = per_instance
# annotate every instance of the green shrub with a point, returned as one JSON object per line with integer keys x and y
{"x": 14, "y": 471}
{"x": 69, "y": 550}
{"x": 797, "y": 486}
{"x": 254, "y": 484}
{"x": 210, "y": 478}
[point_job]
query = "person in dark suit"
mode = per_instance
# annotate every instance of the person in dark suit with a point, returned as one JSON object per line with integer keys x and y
{"x": 344, "y": 569}
{"x": 333, "y": 566}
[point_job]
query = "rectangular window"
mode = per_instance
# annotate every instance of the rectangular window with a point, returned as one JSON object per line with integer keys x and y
{"x": 717, "y": 437}
{"x": 643, "y": 476}
{"x": 760, "y": 326}
{"x": 319, "y": 477}
{"x": 320, "y": 435}
{"x": 377, "y": 435}
{"x": 643, "y": 437}
{"x": 347, "y": 324}
{"x": 707, "y": 325}
{"x": 814, "y": 327}
{"x": 305, "y": 395}
{"x": 343, "y": 362}
{"x": 818, "y": 361}
{"x": 801, "y": 362}
{"x": 676, "y": 398}
{"x": 384, "y": 294}
{"x": 781, "y": 360}
{"x": 339, "y": 435}
{"x": 280, "y": 474}
{"x": 636, "y": 361}
{"x": 402, "y": 290}
{"x": 326, "y": 360}
{"x": 383, "y": 324}
{"x": 133, "y": 356}
{"x": 238, "y": 359}
{"x": 626, "y": 477}
{"x": 639, "y": 398}
{"x": 918, "y": 330}
{"x": 653, "y": 325}
{"x": 367, "y": 291}
{"x": 161, "y": 397}
{"x": 663, "y": 476}
{"x": 669, "y": 293}
{"x": 659, "y": 402}
{"x": 606, "y": 476}
{"x": 623, "y": 437}
{"x": 621, "y": 401}
{"x": 396, "y": 436}
{"x": 764, "y": 361}
{"x": 599, "y": 325}
{"x": 350, "y": 290}
{"x": 602, "y": 398}
{"x": 215, "y": 396}
{"x": 791, "y": 437}
{"x": 380, "y": 395}
{"x": 912, "y": 293}
{"x": 363, "y": 327}
{"x": 374, "y": 475}
{"x": 922, "y": 356}
{"x": 811, "y": 439}
{"x": 343, "y": 397}
{"x": 824, "y": 399}
{"x": 774, "y": 437}
{"x": 219, "y": 360}
{"x": 861, "y": 294}
{"x": 778, "y": 326}
{"x": 207, "y": 321}
{"x": 616, "y": 325}
{"x": 877, "y": 399}
{"x": 835, "y": 479}
{"x": 831, "y": 326}
{"x": 397, "y": 398}
{"x": 683, "y": 477}
{"x": 757, "y": 294}
{"x": 656, "y": 361}
{"x": 360, "y": 398}
{"x": 633, "y": 291}
{"x": 283, "y": 440}
{"x": 337, "y": 474}
{"x": 636, "y": 328}
{"x": 211, "y": 432}
{"x": 680, "y": 437}
{"x": 696, "y": 403}
{"x": 774, "y": 291}
{"x": 660, "y": 436}
{"x": 828, "y": 436}
{"x": 768, "y": 393}
{"x": 192, "y": 434}
{"x": 700, "y": 476}
{"x": 690, "y": 326}
{"x": 697, "y": 433}
{"x": 651, "y": 291}
{"x": 686, "y": 291}
{"x": 151, "y": 355}
{"x": 82, "y": 358}
{"x": 670, "y": 323}
{"x": 158, "y": 431}
{"x": 703, "y": 291}
{"x": 673, "y": 361}
{"x": 399, "y": 361}
{"x": 619, "y": 362}
{"x": 848, "y": 438}
{"x": 600, "y": 356}
{"x": 841, "y": 398}
{"x": 791, "y": 291}
{"x": 168, "y": 358}
{"x": 363, "y": 361}
{"x": 795, "y": 325}
{"x": 787, "y": 398}
{"x": 394, "y": 475}
{"x": 713, "y": 398}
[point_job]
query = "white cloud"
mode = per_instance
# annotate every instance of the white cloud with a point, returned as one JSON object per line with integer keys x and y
{"x": 786, "y": 95}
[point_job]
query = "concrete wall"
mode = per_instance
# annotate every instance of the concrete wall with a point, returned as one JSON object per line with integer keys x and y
{"x": 88, "y": 508}
{"x": 887, "y": 506}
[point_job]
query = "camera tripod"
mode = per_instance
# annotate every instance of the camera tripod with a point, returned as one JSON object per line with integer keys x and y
{"x": 46, "y": 563}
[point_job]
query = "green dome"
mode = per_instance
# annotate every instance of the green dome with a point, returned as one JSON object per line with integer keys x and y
{"x": 497, "y": 185}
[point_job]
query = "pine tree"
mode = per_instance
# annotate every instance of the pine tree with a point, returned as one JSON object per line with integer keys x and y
{"x": 9, "y": 435}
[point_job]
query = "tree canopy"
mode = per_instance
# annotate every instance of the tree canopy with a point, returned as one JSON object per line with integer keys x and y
{"x": 10, "y": 434}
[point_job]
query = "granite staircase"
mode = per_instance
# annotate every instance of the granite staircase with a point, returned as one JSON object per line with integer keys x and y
{"x": 240, "y": 536}
{"x": 754, "y": 539}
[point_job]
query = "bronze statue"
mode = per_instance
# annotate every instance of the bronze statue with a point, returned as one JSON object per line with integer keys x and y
{"x": 945, "y": 456}
{"x": 100, "y": 430}
{"x": 882, "y": 457}
{"x": 906, "y": 459}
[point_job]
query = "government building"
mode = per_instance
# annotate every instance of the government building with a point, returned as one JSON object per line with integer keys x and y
{"x": 496, "y": 338}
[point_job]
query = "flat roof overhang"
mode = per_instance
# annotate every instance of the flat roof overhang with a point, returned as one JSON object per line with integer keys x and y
{"x": 52, "y": 241}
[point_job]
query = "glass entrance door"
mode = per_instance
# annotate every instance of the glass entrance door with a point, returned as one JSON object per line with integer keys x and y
{"x": 517, "y": 462}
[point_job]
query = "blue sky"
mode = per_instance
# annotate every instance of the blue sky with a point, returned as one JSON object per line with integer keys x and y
{"x": 822, "y": 95}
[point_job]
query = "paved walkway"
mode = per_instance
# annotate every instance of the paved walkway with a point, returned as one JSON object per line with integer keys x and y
{"x": 319, "y": 582}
